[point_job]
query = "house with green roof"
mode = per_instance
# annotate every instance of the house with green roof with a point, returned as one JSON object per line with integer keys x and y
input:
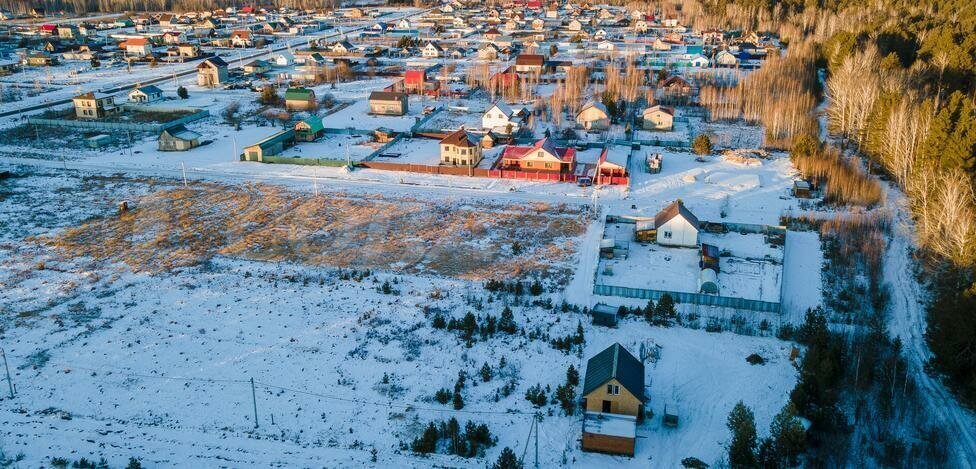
{"x": 299, "y": 99}
{"x": 309, "y": 129}
{"x": 613, "y": 396}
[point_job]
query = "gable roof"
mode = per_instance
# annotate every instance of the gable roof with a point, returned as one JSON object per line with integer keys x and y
{"x": 566, "y": 155}
{"x": 615, "y": 362}
{"x": 460, "y": 138}
{"x": 530, "y": 59}
{"x": 674, "y": 209}
{"x": 386, "y": 96}
{"x": 148, "y": 89}
{"x": 298, "y": 94}
{"x": 214, "y": 62}
{"x": 595, "y": 105}
{"x": 314, "y": 123}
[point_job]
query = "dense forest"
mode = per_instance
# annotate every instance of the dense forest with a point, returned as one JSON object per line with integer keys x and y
{"x": 898, "y": 84}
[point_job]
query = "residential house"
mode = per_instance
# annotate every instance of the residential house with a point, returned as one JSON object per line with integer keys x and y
{"x": 137, "y": 47}
{"x": 188, "y": 51}
{"x": 40, "y": 59}
{"x": 178, "y": 138}
{"x": 461, "y": 149}
{"x": 502, "y": 119}
{"x": 488, "y": 51}
{"x": 575, "y": 25}
{"x": 94, "y": 105}
{"x": 529, "y": 63}
{"x": 309, "y": 129}
{"x": 212, "y": 72}
{"x": 543, "y": 156}
{"x": 492, "y": 34}
{"x": 300, "y": 99}
{"x": 145, "y": 94}
{"x": 725, "y": 58}
{"x": 282, "y": 59}
{"x": 414, "y": 81}
{"x": 676, "y": 85}
{"x": 593, "y": 116}
{"x": 614, "y": 399}
{"x": 342, "y": 48}
{"x": 431, "y": 50}
{"x": 241, "y": 38}
{"x": 612, "y": 163}
{"x": 658, "y": 118}
{"x": 256, "y": 67}
{"x": 68, "y": 31}
{"x": 387, "y": 103}
{"x": 675, "y": 225}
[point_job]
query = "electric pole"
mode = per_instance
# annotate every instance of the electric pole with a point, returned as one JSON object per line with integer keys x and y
{"x": 254, "y": 400}
{"x": 183, "y": 166}
{"x": 10, "y": 384}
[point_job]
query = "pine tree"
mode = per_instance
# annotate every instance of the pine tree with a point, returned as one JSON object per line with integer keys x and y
{"x": 649, "y": 311}
{"x": 572, "y": 376}
{"x": 426, "y": 443}
{"x": 507, "y": 460}
{"x": 787, "y": 436}
{"x": 665, "y": 310}
{"x": 507, "y": 322}
{"x": 951, "y": 141}
{"x": 182, "y": 93}
{"x": 486, "y": 373}
{"x": 701, "y": 145}
{"x": 742, "y": 424}
{"x": 457, "y": 401}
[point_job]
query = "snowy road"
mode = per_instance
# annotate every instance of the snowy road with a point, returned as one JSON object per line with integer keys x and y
{"x": 907, "y": 321}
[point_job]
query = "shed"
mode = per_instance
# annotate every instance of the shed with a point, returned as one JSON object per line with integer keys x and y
{"x": 309, "y": 129}
{"x": 178, "y": 138}
{"x": 99, "y": 141}
{"x": 801, "y": 189}
{"x": 604, "y": 315}
{"x": 709, "y": 257}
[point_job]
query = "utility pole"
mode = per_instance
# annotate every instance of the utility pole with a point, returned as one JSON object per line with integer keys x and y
{"x": 254, "y": 400}
{"x": 10, "y": 384}
{"x": 538, "y": 418}
{"x": 183, "y": 166}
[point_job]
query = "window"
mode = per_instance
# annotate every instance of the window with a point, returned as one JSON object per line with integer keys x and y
{"x": 667, "y": 235}
{"x": 548, "y": 165}
{"x": 613, "y": 389}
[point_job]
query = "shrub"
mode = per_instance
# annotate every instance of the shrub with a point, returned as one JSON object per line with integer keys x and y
{"x": 536, "y": 396}
{"x": 443, "y": 395}
{"x": 755, "y": 359}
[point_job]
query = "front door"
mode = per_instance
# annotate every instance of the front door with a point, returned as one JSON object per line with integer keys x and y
{"x": 606, "y": 407}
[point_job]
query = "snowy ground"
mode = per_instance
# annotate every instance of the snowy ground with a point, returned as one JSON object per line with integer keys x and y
{"x": 750, "y": 268}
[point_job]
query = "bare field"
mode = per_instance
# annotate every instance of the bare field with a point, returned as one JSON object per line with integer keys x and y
{"x": 176, "y": 227}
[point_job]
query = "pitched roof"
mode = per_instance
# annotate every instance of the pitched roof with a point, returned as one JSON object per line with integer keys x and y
{"x": 596, "y": 105}
{"x": 615, "y": 362}
{"x": 658, "y": 107}
{"x": 149, "y": 89}
{"x": 530, "y": 59}
{"x": 314, "y": 123}
{"x": 214, "y": 62}
{"x": 386, "y": 96}
{"x": 674, "y": 209}
{"x": 566, "y": 155}
{"x": 181, "y": 132}
{"x": 298, "y": 94}
{"x": 460, "y": 138}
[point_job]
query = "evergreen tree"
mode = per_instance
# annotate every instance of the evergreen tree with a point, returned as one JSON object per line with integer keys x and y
{"x": 182, "y": 92}
{"x": 507, "y": 322}
{"x": 486, "y": 373}
{"x": 951, "y": 141}
{"x": 787, "y": 437}
{"x": 572, "y": 376}
{"x": 507, "y": 460}
{"x": 665, "y": 310}
{"x": 426, "y": 443}
{"x": 742, "y": 424}
{"x": 701, "y": 145}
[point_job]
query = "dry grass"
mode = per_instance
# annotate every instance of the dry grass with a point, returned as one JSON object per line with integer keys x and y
{"x": 182, "y": 227}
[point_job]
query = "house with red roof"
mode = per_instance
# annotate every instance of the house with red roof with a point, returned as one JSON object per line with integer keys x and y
{"x": 543, "y": 156}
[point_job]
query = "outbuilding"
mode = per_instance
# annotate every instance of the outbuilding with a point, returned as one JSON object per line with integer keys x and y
{"x": 178, "y": 139}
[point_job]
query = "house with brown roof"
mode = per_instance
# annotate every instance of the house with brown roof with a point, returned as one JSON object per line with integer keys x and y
{"x": 529, "y": 63}
{"x": 675, "y": 225}
{"x": 461, "y": 149}
{"x": 658, "y": 118}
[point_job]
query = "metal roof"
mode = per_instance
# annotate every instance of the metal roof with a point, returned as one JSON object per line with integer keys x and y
{"x": 615, "y": 362}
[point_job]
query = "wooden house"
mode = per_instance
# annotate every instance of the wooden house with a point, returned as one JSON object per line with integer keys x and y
{"x": 529, "y": 63}
{"x": 212, "y": 72}
{"x": 614, "y": 399}
{"x": 300, "y": 99}
{"x": 593, "y": 116}
{"x": 387, "y": 103}
{"x": 658, "y": 118}
{"x": 309, "y": 129}
{"x": 178, "y": 139}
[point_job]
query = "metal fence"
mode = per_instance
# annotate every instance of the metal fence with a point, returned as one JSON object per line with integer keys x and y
{"x": 687, "y": 297}
{"x": 97, "y": 125}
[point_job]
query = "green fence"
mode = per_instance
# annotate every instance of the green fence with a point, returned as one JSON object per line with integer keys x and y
{"x": 304, "y": 161}
{"x": 687, "y": 297}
